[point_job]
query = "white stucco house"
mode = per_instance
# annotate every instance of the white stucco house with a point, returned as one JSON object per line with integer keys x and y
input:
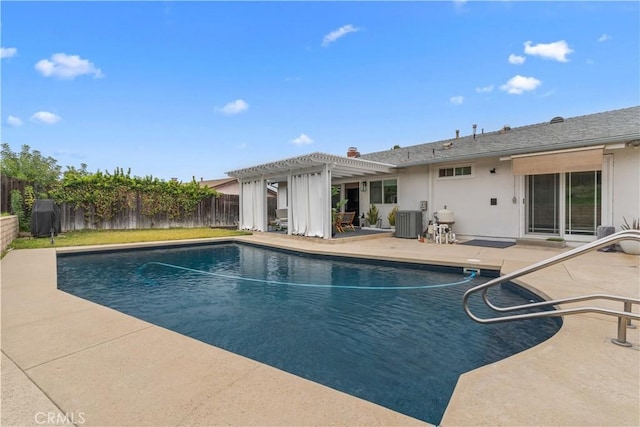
{"x": 562, "y": 178}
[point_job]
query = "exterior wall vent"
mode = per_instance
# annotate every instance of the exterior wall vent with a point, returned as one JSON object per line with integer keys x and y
{"x": 557, "y": 120}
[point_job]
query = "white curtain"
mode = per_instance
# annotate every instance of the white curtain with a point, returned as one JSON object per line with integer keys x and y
{"x": 307, "y": 205}
{"x": 248, "y": 190}
{"x": 299, "y": 208}
{"x": 316, "y": 205}
{"x": 253, "y": 205}
{"x": 259, "y": 205}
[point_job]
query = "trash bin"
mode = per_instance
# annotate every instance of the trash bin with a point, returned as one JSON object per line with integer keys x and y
{"x": 604, "y": 231}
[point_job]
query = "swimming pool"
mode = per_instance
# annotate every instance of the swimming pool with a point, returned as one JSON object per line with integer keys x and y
{"x": 393, "y": 334}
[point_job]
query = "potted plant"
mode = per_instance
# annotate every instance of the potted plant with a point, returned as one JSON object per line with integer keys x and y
{"x": 631, "y": 247}
{"x": 392, "y": 217}
{"x": 373, "y": 217}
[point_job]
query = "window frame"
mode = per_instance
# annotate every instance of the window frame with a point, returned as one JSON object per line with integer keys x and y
{"x": 453, "y": 169}
{"x": 382, "y": 192}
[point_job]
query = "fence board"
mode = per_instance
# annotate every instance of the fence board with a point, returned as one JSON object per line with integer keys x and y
{"x": 221, "y": 211}
{"x": 7, "y": 185}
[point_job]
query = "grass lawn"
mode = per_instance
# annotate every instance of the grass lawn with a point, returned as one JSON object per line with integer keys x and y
{"x": 104, "y": 237}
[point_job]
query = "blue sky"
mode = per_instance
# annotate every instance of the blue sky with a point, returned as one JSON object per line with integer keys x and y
{"x": 195, "y": 89}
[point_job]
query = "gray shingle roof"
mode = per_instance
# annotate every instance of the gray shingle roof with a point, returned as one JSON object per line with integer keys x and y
{"x": 594, "y": 129}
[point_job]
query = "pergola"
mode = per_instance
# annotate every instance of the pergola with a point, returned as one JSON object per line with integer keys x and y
{"x": 309, "y": 178}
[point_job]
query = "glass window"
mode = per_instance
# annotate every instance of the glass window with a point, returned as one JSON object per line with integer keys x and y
{"x": 445, "y": 172}
{"x": 383, "y": 191}
{"x": 375, "y": 192}
{"x": 464, "y": 170}
{"x": 390, "y": 189}
{"x": 454, "y": 171}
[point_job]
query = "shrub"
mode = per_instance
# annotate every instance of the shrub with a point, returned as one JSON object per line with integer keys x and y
{"x": 635, "y": 224}
{"x": 373, "y": 215}
{"x": 392, "y": 216}
{"x": 17, "y": 208}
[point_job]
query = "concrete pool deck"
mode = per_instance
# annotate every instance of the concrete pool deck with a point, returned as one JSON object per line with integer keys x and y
{"x": 69, "y": 361}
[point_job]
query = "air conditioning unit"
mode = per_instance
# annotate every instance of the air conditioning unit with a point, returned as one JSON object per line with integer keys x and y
{"x": 408, "y": 224}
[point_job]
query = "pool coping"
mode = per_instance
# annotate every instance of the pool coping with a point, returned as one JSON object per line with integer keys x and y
{"x": 538, "y": 382}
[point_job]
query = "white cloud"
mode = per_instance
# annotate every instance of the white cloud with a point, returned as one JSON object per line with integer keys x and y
{"x": 459, "y": 4}
{"x": 519, "y": 84}
{"x": 603, "y": 38}
{"x": 235, "y": 107}
{"x": 340, "y": 32}
{"x": 8, "y": 52}
{"x": 65, "y": 66}
{"x": 45, "y": 117}
{"x": 14, "y": 121}
{"x": 557, "y": 50}
{"x": 485, "y": 89}
{"x": 456, "y": 100}
{"x": 303, "y": 139}
{"x": 548, "y": 94}
{"x": 516, "y": 59}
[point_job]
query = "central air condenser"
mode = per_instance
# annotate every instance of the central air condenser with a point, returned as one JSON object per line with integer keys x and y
{"x": 408, "y": 224}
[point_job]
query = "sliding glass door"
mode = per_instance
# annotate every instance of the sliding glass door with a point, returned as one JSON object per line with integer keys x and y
{"x": 543, "y": 204}
{"x": 583, "y": 203}
{"x": 574, "y": 196}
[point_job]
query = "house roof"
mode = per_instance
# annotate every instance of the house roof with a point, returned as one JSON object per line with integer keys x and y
{"x": 595, "y": 129}
{"x": 617, "y": 126}
{"x": 214, "y": 183}
{"x": 340, "y": 166}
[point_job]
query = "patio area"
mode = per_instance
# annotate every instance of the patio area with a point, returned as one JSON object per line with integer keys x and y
{"x": 69, "y": 361}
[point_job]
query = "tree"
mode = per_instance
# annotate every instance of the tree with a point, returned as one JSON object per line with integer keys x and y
{"x": 31, "y": 166}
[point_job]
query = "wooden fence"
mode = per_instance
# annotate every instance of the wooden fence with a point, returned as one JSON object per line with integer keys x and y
{"x": 7, "y": 185}
{"x": 221, "y": 211}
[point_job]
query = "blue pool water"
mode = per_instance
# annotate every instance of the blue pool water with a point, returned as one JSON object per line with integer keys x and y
{"x": 393, "y": 334}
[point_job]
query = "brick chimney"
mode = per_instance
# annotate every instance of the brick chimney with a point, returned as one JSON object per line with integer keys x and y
{"x": 353, "y": 152}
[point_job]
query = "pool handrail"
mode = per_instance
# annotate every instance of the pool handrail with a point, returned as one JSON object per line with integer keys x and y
{"x": 624, "y": 317}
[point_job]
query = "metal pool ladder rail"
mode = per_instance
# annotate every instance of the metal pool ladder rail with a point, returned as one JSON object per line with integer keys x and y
{"x": 624, "y": 317}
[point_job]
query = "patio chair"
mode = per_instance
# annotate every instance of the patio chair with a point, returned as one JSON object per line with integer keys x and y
{"x": 282, "y": 220}
{"x": 345, "y": 220}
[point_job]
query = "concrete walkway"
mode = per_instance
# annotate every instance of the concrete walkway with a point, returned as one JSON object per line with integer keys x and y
{"x": 69, "y": 361}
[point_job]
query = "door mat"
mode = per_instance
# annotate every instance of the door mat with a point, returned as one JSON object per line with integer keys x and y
{"x": 488, "y": 243}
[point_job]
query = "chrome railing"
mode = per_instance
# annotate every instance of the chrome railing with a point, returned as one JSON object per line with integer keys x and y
{"x": 624, "y": 316}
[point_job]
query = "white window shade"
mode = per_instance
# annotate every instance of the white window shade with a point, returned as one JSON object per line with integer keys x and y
{"x": 561, "y": 161}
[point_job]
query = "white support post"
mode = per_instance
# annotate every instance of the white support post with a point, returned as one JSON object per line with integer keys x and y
{"x": 290, "y": 212}
{"x": 240, "y": 214}
{"x": 327, "y": 226}
{"x": 263, "y": 197}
